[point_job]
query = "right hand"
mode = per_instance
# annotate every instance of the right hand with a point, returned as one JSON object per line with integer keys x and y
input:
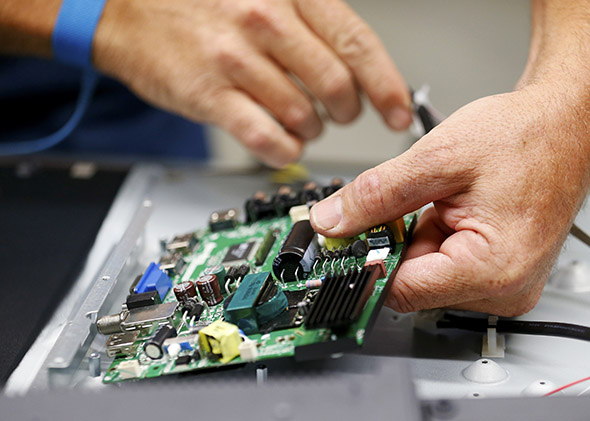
{"x": 230, "y": 63}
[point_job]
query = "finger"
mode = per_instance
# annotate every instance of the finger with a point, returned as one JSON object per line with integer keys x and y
{"x": 362, "y": 51}
{"x": 419, "y": 176}
{"x": 291, "y": 43}
{"x": 429, "y": 234}
{"x": 266, "y": 83}
{"x": 448, "y": 277}
{"x": 260, "y": 133}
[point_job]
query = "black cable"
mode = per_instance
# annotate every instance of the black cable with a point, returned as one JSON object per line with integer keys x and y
{"x": 564, "y": 330}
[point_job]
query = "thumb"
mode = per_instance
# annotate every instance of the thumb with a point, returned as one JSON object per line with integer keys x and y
{"x": 389, "y": 191}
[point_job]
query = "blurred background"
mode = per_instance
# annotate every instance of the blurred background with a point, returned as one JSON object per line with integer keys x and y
{"x": 464, "y": 49}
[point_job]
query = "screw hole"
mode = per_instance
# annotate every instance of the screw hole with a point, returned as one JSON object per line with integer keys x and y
{"x": 476, "y": 395}
{"x": 542, "y": 383}
{"x": 484, "y": 362}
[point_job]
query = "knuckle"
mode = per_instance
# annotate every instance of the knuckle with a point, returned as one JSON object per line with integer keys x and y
{"x": 257, "y": 140}
{"x": 261, "y": 17}
{"x": 228, "y": 57}
{"x": 337, "y": 85}
{"x": 355, "y": 42}
{"x": 297, "y": 116}
{"x": 368, "y": 193}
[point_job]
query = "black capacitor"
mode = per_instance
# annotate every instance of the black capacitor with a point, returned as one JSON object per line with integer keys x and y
{"x": 153, "y": 347}
{"x": 193, "y": 308}
{"x": 335, "y": 185}
{"x": 259, "y": 207}
{"x": 285, "y": 199}
{"x": 359, "y": 249}
{"x": 290, "y": 265}
{"x": 310, "y": 193}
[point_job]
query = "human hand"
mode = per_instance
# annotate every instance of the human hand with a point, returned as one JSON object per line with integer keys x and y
{"x": 507, "y": 175}
{"x": 229, "y": 63}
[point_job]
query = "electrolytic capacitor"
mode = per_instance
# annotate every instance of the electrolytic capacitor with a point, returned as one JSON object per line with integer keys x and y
{"x": 209, "y": 289}
{"x": 297, "y": 253}
{"x": 184, "y": 291}
{"x": 153, "y": 347}
{"x": 219, "y": 272}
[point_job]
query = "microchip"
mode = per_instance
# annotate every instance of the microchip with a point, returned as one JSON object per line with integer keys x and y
{"x": 238, "y": 253}
{"x": 183, "y": 360}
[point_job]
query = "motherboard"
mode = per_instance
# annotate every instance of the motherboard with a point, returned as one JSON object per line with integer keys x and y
{"x": 249, "y": 289}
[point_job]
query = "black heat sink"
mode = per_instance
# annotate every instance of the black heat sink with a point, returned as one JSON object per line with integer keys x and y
{"x": 341, "y": 299}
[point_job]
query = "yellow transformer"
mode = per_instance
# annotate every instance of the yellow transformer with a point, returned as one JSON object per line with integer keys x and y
{"x": 221, "y": 339}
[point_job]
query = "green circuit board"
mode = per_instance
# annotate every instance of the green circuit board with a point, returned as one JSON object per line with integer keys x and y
{"x": 292, "y": 337}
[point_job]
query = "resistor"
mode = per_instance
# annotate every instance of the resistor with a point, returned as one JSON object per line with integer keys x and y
{"x": 313, "y": 283}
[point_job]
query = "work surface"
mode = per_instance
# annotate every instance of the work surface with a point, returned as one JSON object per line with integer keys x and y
{"x": 182, "y": 200}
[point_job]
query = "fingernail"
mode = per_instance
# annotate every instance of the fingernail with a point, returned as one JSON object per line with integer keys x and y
{"x": 327, "y": 213}
{"x": 399, "y": 118}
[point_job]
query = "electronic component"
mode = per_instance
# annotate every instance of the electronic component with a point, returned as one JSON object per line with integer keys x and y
{"x": 193, "y": 308}
{"x": 122, "y": 344}
{"x": 184, "y": 291}
{"x": 238, "y": 253}
{"x": 173, "y": 264}
{"x": 186, "y": 342}
{"x": 219, "y": 272}
{"x": 398, "y": 227}
{"x": 342, "y": 298}
{"x": 154, "y": 279}
{"x": 223, "y": 220}
{"x": 313, "y": 283}
{"x": 143, "y": 299}
{"x": 220, "y": 340}
{"x": 380, "y": 236}
{"x": 299, "y": 213}
{"x": 335, "y": 185}
{"x": 183, "y": 360}
{"x": 248, "y": 351}
{"x": 146, "y": 317}
{"x": 297, "y": 253}
{"x": 338, "y": 243}
{"x": 154, "y": 346}
{"x": 359, "y": 249}
{"x": 378, "y": 254}
{"x": 259, "y": 207}
{"x": 264, "y": 248}
{"x": 107, "y": 325}
{"x": 379, "y": 267}
{"x": 285, "y": 199}
{"x": 310, "y": 193}
{"x": 129, "y": 369}
{"x": 387, "y": 235}
{"x": 184, "y": 243}
{"x": 258, "y": 300}
{"x": 209, "y": 289}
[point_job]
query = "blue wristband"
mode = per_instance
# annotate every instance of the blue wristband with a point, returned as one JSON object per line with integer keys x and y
{"x": 74, "y": 31}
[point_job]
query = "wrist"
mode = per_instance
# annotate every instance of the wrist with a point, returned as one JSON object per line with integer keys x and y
{"x": 26, "y": 26}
